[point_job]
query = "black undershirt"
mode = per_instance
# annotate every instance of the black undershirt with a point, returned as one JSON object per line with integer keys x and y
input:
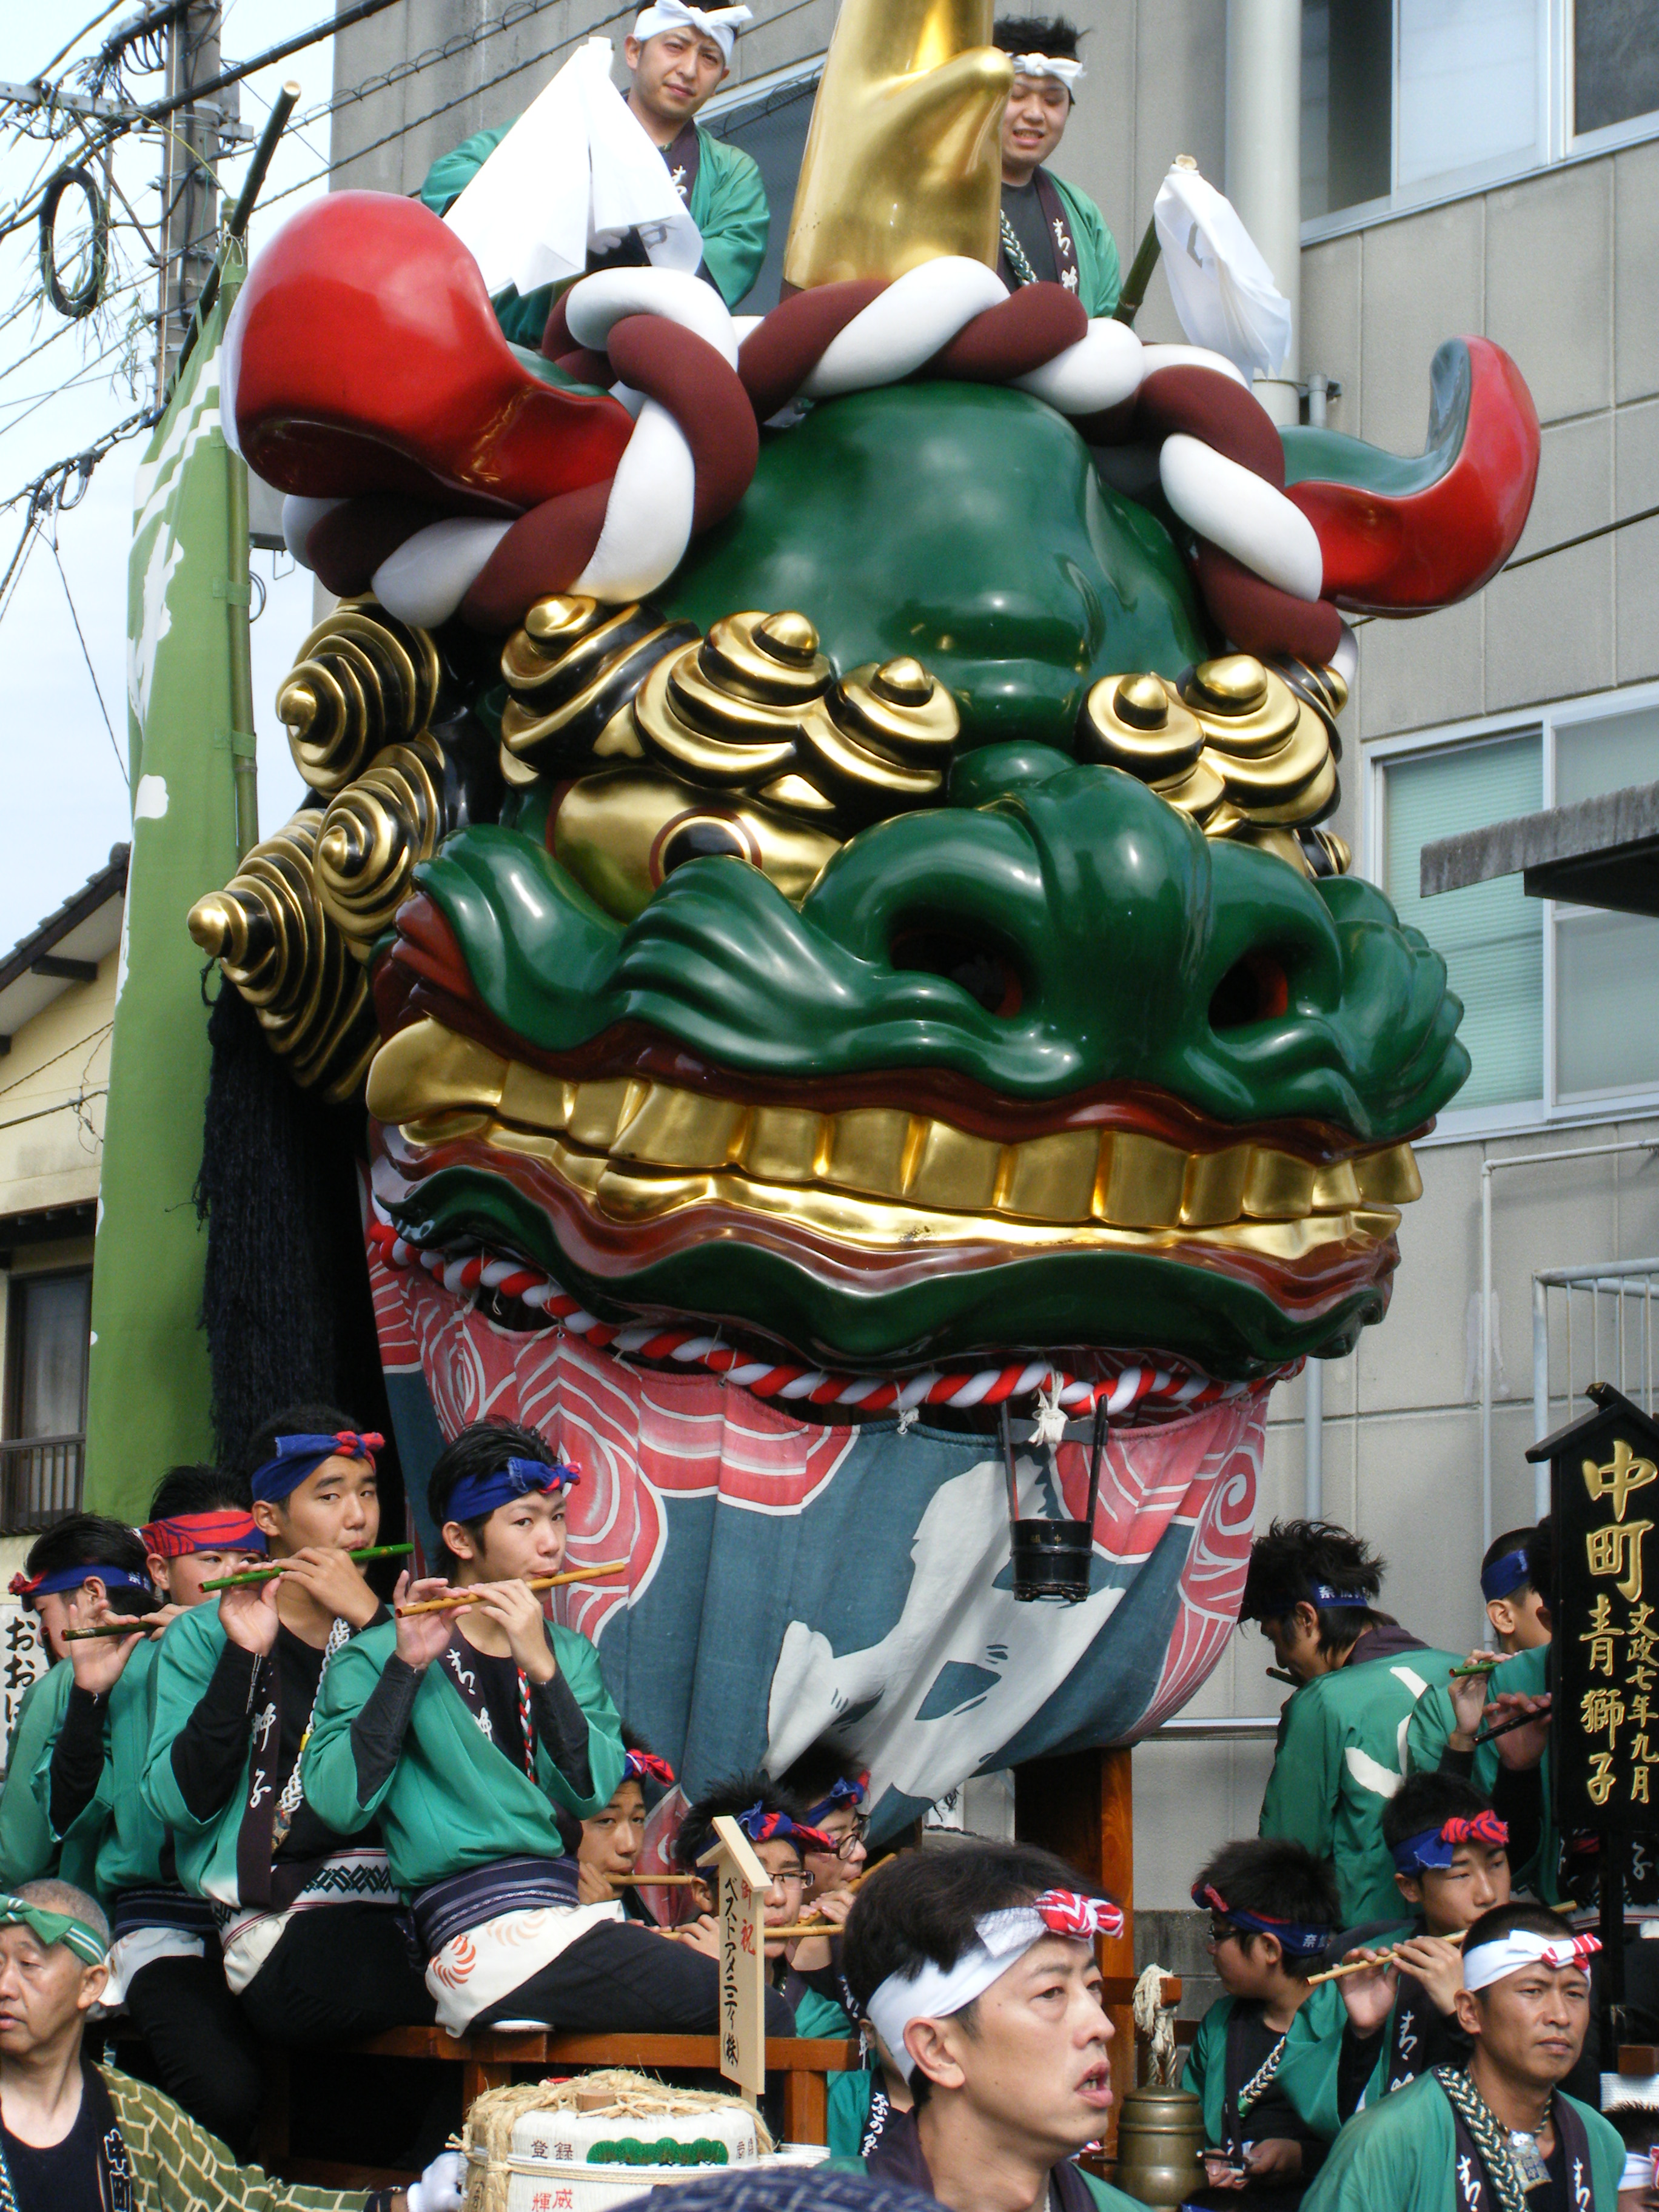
{"x": 1029, "y": 225}
{"x": 63, "y": 2178}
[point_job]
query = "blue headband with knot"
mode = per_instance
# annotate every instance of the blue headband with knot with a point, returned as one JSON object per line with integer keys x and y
{"x": 1326, "y": 1594}
{"x": 477, "y": 1496}
{"x": 300, "y": 1456}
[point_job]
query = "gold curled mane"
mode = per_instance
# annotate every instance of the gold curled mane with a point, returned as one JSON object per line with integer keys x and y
{"x": 903, "y": 161}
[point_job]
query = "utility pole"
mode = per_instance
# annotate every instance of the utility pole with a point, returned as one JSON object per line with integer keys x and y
{"x": 190, "y": 198}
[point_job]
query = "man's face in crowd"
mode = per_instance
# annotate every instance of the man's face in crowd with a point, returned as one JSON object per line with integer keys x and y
{"x": 827, "y": 1871}
{"x": 1028, "y": 2057}
{"x": 180, "y": 1580}
{"x": 59, "y": 1611}
{"x": 675, "y": 73}
{"x": 525, "y": 1537}
{"x": 43, "y": 1987}
{"x": 612, "y": 1840}
{"x": 1295, "y": 1639}
{"x": 1454, "y": 1897}
{"x": 1520, "y": 1621}
{"x": 336, "y": 1508}
{"x": 780, "y": 1856}
{"x": 1034, "y": 121}
{"x": 1531, "y": 2024}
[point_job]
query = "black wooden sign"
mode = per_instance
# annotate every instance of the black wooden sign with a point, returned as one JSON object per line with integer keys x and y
{"x": 1604, "y": 1737}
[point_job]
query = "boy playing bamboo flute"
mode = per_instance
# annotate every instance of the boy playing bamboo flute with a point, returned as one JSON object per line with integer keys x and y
{"x": 310, "y": 1920}
{"x": 480, "y": 1739}
{"x": 1498, "y": 2135}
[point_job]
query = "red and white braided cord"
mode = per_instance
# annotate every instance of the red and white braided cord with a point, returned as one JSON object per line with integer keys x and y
{"x": 1139, "y": 1384}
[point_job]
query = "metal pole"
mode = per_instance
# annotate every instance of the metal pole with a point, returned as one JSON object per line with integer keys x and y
{"x": 1264, "y": 161}
{"x": 1313, "y": 1441}
{"x": 1540, "y": 1391}
{"x": 1485, "y": 1361}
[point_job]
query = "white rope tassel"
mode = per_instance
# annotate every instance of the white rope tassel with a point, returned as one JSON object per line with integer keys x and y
{"x": 1156, "y": 2020}
{"x": 1048, "y": 1428}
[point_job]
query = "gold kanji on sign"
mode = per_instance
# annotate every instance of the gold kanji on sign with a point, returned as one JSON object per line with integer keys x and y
{"x": 1639, "y": 1787}
{"x": 1601, "y": 1712}
{"x": 1616, "y": 1551}
{"x": 1622, "y": 1473}
{"x": 1601, "y": 1637}
{"x": 1599, "y": 1788}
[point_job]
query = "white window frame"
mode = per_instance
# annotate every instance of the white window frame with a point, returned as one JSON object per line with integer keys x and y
{"x": 1578, "y": 1109}
{"x": 1556, "y": 146}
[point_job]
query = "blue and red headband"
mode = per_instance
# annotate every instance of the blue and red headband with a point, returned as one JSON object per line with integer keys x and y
{"x": 637, "y": 1765}
{"x": 763, "y": 1827}
{"x": 30, "y": 1587}
{"x": 1432, "y": 1851}
{"x": 1505, "y": 1576}
{"x": 475, "y": 1497}
{"x": 845, "y": 1790}
{"x": 228, "y": 1530}
{"x": 300, "y": 1456}
{"x": 1297, "y": 1939}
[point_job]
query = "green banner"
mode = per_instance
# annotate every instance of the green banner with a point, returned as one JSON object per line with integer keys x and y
{"x": 149, "y": 1395}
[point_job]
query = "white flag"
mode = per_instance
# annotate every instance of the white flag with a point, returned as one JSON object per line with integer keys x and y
{"x": 1224, "y": 290}
{"x": 576, "y": 170}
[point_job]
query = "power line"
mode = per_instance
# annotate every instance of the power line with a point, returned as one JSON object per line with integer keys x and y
{"x": 86, "y": 656}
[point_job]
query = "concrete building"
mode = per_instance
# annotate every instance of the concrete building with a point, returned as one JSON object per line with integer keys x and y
{"x": 1416, "y": 170}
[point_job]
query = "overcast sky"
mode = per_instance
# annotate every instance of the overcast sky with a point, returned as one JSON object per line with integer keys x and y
{"x": 64, "y": 792}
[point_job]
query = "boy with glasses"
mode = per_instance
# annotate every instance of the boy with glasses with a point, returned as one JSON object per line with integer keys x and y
{"x": 781, "y": 1841}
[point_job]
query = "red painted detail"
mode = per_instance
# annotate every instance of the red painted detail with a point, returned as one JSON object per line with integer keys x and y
{"x": 364, "y": 357}
{"x": 1387, "y": 555}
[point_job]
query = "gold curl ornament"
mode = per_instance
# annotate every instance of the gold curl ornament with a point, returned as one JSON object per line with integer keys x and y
{"x": 375, "y": 834}
{"x": 572, "y": 671}
{"x": 362, "y": 680}
{"x": 1248, "y": 751}
{"x": 270, "y": 932}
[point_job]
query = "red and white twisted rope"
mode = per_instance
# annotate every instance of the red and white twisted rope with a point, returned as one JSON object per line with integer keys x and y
{"x": 1142, "y": 1385}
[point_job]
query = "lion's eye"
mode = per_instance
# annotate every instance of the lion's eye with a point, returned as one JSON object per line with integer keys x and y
{"x": 1254, "y": 989}
{"x": 983, "y": 970}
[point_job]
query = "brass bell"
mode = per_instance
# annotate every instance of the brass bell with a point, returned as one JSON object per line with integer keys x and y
{"x": 1160, "y": 2136}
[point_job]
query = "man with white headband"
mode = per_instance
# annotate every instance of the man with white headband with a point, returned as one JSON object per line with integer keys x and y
{"x": 679, "y": 55}
{"x": 77, "y": 2137}
{"x": 1500, "y": 2135}
{"x": 977, "y": 1969}
{"x": 1052, "y": 234}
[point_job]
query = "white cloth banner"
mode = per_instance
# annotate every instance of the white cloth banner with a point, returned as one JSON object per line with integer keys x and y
{"x": 576, "y": 170}
{"x": 1224, "y": 290}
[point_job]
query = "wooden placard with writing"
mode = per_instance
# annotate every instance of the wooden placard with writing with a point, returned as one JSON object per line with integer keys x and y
{"x": 742, "y": 1883}
{"x": 1604, "y": 1736}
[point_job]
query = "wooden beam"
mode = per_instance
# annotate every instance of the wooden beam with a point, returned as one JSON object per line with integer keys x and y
{"x": 63, "y": 970}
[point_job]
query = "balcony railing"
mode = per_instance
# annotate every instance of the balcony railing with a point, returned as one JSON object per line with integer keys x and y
{"x": 40, "y": 1482}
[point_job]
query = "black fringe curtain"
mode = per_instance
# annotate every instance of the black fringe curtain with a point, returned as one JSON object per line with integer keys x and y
{"x": 285, "y": 1301}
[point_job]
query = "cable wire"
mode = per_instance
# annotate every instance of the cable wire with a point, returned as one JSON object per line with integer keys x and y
{"x": 86, "y": 656}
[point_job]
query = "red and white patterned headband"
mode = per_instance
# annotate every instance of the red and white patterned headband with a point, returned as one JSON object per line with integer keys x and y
{"x": 1522, "y": 1947}
{"x": 1003, "y": 1939}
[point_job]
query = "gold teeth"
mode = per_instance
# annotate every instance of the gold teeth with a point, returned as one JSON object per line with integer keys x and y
{"x": 362, "y": 680}
{"x": 1246, "y": 754}
{"x": 427, "y": 1075}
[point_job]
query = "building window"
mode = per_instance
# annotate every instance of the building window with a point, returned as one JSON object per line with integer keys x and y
{"x": 1405, "y": 101}
{"x": 1555, "y": 996}
{"x": 50, "y": 1332}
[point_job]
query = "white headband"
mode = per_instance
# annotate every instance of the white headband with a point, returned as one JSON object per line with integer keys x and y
{"x": 1004, "y": 1938}
{"x": 1066, "y": 67}
{"x": 1641, "y": 2170}
{"x": 1521, "y": 1947}
{"x": 719, "y": 24}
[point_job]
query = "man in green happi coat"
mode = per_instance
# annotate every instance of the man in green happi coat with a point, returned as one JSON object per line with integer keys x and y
{"x": 679, "y": 55}
{"x": 1341, "y": 1749}
{"x": 1499, "y": 2135}
{"x": 1052, "y": 232}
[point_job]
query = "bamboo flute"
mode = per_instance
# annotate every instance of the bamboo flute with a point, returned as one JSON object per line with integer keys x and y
{"x": 651, "y": 1881}
{"x": 1367, "y": 1965}
{"x": 459, "y": 1601}
{"x": 137, "y": 1624}
{"x": 246, "y": 1581}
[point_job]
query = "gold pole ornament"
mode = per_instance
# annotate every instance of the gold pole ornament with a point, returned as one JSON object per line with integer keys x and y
{"x": 902, "y": 161}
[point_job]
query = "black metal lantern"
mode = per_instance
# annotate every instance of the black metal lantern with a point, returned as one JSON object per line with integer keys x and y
{"x": 1053, "y": 1559}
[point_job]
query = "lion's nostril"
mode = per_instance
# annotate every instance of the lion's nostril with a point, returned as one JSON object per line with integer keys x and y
{"x": 1254, "y": 989}
{"x": 985, "y": 972}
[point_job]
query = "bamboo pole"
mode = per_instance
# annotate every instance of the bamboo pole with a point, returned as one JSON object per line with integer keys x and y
{"x": 460, "y": 1601}
{"x": 1133, "y": 291}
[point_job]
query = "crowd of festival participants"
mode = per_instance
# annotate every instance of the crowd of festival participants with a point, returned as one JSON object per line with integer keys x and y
{"x": 287, "y": 1813}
